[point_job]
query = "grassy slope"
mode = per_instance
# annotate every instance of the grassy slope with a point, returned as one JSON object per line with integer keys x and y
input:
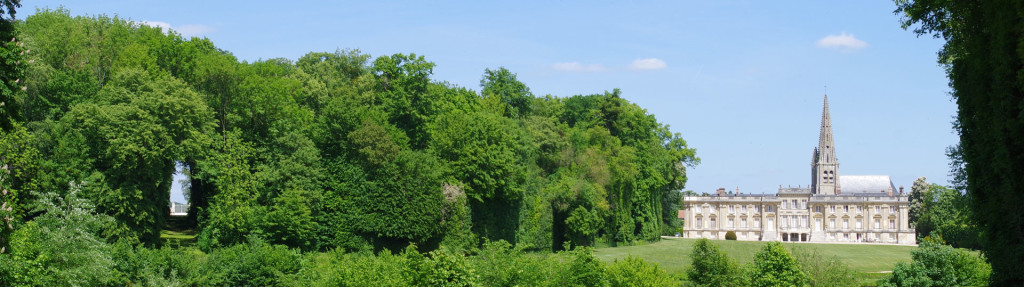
{"x": 673, "y": 254}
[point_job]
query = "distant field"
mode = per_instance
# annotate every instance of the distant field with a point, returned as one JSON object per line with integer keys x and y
{"x": 673, "y": 254}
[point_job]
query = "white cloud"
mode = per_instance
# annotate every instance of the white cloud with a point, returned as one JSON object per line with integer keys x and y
{"x": 186, "y": 31}
{"x": 843, "y": 42}
{"x": 577, "y": 67}
{"x": 648, "y": 64}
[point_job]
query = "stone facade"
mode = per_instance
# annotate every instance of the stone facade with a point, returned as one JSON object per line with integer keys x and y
{"x": 834, "y": 208}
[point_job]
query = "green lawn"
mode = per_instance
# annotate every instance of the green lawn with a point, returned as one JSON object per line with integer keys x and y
{"x": 673, "y": 254}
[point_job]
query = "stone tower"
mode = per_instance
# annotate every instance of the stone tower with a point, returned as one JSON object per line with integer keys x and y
{"x": 824, "y": 164}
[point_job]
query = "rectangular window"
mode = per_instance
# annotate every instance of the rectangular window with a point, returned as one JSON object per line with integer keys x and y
{"x": 699, "y": 208}
{"x": 785, "y": 204}
{"x": 892, "y": 224}
{"x": 858, "y": 224}
{"x": 832, "y": 223}
{"x": 803, "y": 221}
{"x": 771, "y": 223}
{"x": 732, "y": 223}
{"x": 892, "y": 210}
{"x": 878, "y": 223}
{"x": 757, "y": 208}
{"x": 784, "y": 221}
{"x": 794, "y": 204}
{"x": 803, "y": 204}
{"x": 792, "y": 221}
{"x": 743, "y": 223}
{"x": 744, "y": 209}
{"x": 713, "y": 225}
{"x": 712, "y": 209}
{"x": 757, "y": 222}
{"x": 817, "y": 224}
{"x": 878, "y": 209}
{"x": 771, "y": 208}
{"x": 860, "y": 209}
{"x": 698, "y": 225}
{"x": 846, "y": 223}
{"x": 833, "y": 208}
{"x": 817, "y": 209}
{"x": 846, "y": 236}
{"x": 846, "y": 209}
{"x": 732, "y": 209}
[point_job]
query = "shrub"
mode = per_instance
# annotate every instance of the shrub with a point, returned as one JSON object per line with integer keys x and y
{"x": 824, "y": 271}
{"x": 935, "y": 264}
{"x": 731, "y": 235}
{"x": 773, "y": 266}
{"x": 712, "y": 267}
{"x": 634, "y": 271}
{"x": 585, "y": 269}
{"x": 441, "y": 268}
{"x": 254, "y": 263}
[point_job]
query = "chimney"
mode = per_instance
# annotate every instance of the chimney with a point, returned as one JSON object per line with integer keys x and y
{"x": 901, "y": 190}
{"x": 720, "y": 191}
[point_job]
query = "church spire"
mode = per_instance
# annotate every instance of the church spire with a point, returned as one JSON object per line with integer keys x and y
{"x": 825, "y": 166}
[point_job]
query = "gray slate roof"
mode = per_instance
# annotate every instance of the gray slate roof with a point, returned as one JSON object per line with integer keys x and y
{"x": 851, "y": 184}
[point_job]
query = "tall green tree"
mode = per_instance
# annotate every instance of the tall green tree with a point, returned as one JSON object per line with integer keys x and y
{"x": 986, "y": 74}
{"x": 774, "y": 266}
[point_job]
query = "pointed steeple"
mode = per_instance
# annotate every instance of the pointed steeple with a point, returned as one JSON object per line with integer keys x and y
{"x": 825, "y": 165}
{"x": 825, "y": 143}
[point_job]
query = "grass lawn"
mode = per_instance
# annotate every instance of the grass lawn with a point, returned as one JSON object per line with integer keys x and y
{"x": 673, "y": 254}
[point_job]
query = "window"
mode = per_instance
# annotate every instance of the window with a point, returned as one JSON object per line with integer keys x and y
{"x": 892, "y": 224}
{"x": 794, "y": 206}
{"x": 757, "y": 208}
{"x": 771, "y": 208}
{"x": 858, "y": 224}
{"x": 757, "y": 222}
{"x": 784, "y": 221}
{"x": 699, "y": 208}
{"x": 803, "y": 204}
{"x": 833, "y": 208}
{"x": 713, "y": 225}
{"x": 732, "y": 223}
{"x": 892, "y": 209}
{"x": 792, "y": 221}
{"x": 860, "y": 209}
{"x": 744, "y": 208}
{"x": 785, "y": 204}
{"x": 878, "y": 223}
{"x": 732, "y": 209}
{"x": 743, "y": 222}
{"x": 846, "y": 223}
{"x": 832, "y": 223}
{"x": 817, "y": 224}
{"x": 878, "y": 209}
{"x": 846, "y": 236}
{"x": 803, "y": 221}
{"x": 712, "y": 209}
{"x": 817, "y": 209}
{"x": 846, "y": 209}
{"x": 698, "y": 225}
{"x": 771, "y": 223}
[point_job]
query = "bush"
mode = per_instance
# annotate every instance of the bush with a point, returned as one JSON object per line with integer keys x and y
{"x": 731, "y": 235}
{"x": 773, "y": 266}
{"x": 254, "y": 263}
{"x": 935, "y": 264}
{"x": 634, "y": 271}
{"x": 822, "y": 271}
{"x": 712, "y": 267}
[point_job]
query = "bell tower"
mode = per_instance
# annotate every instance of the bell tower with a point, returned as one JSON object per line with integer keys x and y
{"x": 824, "y": 164}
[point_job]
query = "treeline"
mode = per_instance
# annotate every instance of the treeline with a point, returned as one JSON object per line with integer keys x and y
{"x": 334, "y": 150}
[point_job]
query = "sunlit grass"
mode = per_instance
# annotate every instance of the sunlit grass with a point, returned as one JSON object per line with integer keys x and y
{"x": 673, "y": 254}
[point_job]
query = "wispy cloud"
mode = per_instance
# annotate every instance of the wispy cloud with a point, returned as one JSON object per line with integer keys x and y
{"x": 842, "y": 42}
{"x": 187, "y": 30}
{"x": 577, "y": 67}
{"x": 648, "y": 64}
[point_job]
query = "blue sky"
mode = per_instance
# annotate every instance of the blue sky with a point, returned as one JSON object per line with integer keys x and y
{"x": 741, "y": 81}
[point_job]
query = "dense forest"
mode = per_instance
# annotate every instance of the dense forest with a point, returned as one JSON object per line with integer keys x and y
{"x": 333, "y": 151}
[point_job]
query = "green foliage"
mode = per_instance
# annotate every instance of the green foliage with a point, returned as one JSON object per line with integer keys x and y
{"x": 253, "y": 263}
{"x": 63, "y": 246}
{"x": 585, "y": 269}
{"x": 731, "y": 235}
{"x": 944, "y": 213}
{"x": 936, "y": 264}
{"x": 634, "y": 271}
{"x": 982, "y": 59}
{"x": 440, "y": 268}
{"x": 774, "y": 266}
{"x": 824, "y": 271}
{"x": 515, "y": 96}
{"x": 712, "y": 267}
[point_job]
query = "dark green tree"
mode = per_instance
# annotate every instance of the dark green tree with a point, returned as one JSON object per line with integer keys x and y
{"x": 982, "y": 59}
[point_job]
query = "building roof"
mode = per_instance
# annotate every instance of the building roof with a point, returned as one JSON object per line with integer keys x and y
{"x": 851, "y": 184}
